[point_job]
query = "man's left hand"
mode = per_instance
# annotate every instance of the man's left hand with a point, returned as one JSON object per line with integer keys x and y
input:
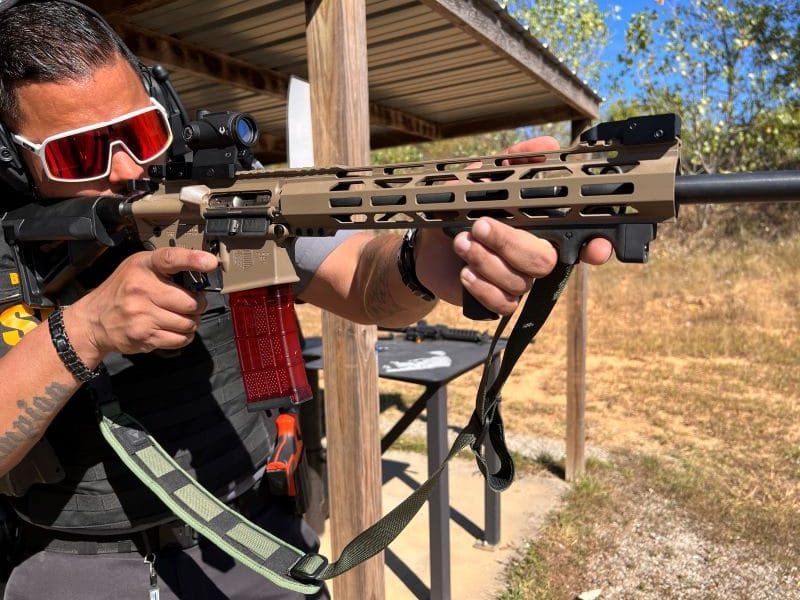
{"x": 496, "y": 263}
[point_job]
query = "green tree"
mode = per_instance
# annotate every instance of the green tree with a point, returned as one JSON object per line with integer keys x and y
{"x": 575, "y": 31}
{"x": 726, "y": 66}
{"x": 775, "y": 28}
{"x": 729, "y": 68}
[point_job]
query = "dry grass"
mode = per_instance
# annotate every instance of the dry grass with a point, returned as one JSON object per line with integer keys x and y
{"x": 693, "y": 380}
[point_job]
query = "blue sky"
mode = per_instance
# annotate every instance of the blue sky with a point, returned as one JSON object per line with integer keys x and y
{"x": 620, "y": 12}
{"x": 617, "y": 27}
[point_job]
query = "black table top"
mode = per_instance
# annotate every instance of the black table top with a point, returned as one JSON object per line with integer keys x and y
{"x": 425, "y": 363}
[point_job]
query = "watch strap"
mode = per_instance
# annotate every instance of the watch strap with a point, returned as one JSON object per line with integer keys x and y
{"x": 407, "y": 265}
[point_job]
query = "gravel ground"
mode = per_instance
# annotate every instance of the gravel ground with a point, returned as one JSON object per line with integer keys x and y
{"x": 657, "y": 552}
{"x": 661, "y": 553}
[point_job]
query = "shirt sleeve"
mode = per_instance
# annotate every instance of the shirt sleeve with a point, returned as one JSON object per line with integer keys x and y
{"x": 307, "y": 254}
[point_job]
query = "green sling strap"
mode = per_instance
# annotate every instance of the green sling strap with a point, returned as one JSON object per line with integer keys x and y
{"x": 268, "y": 555}
{"x": 241, "y": 539}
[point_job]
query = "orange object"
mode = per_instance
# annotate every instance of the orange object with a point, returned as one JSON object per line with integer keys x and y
{"x": 283, "y": 465}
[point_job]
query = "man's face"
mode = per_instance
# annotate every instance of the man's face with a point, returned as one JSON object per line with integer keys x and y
{"x": 50, "y": 108}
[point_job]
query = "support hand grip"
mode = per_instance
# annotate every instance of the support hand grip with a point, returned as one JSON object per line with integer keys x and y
{"x": 630, "y": 240}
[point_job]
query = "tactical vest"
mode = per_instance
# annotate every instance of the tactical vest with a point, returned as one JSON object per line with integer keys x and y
{"x": 192, "y": 400}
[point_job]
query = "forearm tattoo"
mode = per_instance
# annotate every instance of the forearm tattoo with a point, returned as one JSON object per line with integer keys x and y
{"x": 33, "y": 418}
{"x": 378, "y": 300}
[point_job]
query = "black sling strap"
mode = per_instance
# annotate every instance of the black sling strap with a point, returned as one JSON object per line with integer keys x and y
{"x": 278, "y": 561}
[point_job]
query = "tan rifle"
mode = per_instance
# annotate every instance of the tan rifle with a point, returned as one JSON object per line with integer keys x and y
{"x": 619, "y": 182}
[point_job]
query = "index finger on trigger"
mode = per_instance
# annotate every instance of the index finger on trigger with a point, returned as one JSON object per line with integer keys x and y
{"x": 172, "y": 260}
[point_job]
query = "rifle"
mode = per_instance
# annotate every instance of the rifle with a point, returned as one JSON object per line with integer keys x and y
{"x": 618, "y": 182}
{"x": 422, "y": 331}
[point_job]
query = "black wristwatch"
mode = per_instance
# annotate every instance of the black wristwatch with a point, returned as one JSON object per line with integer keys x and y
{"x": 406, "y": 264}
{"x": 65, "y": 350}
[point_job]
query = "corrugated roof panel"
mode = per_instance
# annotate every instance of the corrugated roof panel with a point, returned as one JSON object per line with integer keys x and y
{"x": 463, "y": 65}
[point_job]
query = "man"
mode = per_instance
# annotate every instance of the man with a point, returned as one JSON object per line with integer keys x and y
{"x": 87, "y": 522}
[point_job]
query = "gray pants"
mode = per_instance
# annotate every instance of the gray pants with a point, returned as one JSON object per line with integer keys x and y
{"x": 201, "y": 572}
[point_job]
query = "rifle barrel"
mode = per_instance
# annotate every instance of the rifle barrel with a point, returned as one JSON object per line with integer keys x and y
{"x": 759, "y": 186}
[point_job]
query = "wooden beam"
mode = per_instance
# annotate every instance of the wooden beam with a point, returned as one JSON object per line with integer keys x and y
{"x": 397, "y": 120}
{"x": 508, "y": 121}
{"x": 387, "y": 139}
{"x": 337, "y": 72}
{"x": 208, "y": 64}
{"x": 575, "y": 461}
{"x": 577, "y": 327}
{"x": 495, "y": 29}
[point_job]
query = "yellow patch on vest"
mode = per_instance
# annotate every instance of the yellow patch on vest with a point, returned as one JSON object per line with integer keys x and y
{"x": 15, "y": 322}
{"x": 14, "y": 277}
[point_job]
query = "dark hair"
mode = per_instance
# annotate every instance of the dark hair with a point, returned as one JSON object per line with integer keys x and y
{"x": 51, "y": 41}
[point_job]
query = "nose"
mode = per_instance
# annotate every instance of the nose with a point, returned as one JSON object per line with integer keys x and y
{"x": 123, "y": 167}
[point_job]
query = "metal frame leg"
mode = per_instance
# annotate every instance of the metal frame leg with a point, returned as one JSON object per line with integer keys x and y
{"x": 439, "y": 502}
{"x": 491, "y": 505}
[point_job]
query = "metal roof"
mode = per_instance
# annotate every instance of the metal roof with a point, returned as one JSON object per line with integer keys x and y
{"x": 437, "y": 68}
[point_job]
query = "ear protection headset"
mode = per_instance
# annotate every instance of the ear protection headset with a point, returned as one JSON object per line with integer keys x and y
{"x": 13, "y": 173}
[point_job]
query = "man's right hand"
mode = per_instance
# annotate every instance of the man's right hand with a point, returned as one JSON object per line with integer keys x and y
{"x": 139, "y": 308}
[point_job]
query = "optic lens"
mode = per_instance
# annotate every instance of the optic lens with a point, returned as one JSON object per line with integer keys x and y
{"x": 246, "y": 130}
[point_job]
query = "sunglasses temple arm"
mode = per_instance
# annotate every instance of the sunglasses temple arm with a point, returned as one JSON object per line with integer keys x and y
{"x": 28, "y": 145}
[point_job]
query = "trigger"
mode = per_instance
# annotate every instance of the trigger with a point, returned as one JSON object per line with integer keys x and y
{"x": 197, "y": 281}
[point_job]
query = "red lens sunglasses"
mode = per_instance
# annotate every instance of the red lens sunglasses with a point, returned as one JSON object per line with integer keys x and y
{"x": 84, "y": 154}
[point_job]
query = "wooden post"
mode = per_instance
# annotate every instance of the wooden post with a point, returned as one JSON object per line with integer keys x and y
{"x": 337, "y": 70}
{"x": 575, "y": 462}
